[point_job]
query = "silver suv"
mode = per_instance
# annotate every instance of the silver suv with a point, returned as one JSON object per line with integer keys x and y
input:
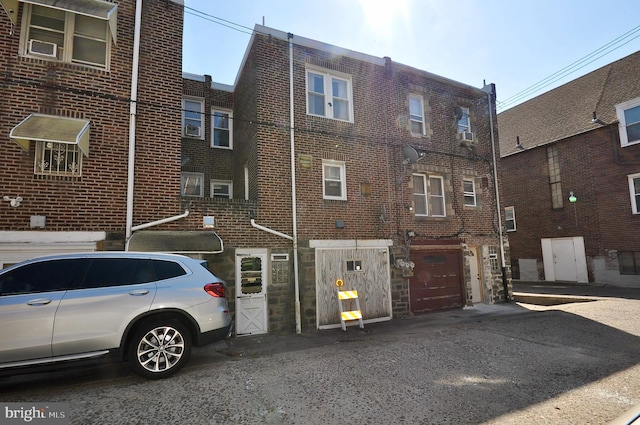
{"x": 147, "y": 308}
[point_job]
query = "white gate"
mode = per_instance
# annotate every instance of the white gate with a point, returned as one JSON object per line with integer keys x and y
{"x": 251, "y": 292}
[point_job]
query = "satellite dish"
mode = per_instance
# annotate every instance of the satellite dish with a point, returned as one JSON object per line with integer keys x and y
{"x": 457, "y": 112}
{"x": 410, "y": 155}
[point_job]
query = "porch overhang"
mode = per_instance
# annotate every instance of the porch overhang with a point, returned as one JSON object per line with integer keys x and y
{"x": 51, "y": 128}
{"x": 176, "y": 242}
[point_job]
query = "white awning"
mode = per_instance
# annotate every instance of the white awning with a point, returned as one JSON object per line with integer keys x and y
{"x": 176, "y": 242}
{"x": 52, "y": 128}
{"x": 95, "y": 8}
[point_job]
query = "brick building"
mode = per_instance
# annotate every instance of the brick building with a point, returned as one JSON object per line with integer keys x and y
{"x": 392, "y": 192}
{"x": 570, "y": 163}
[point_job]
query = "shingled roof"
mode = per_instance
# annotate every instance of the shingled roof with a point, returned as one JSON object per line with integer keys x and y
{"x": 568, "y": 110}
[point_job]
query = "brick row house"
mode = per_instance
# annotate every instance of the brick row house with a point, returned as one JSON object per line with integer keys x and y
{"x": 322, "y": 164}
{"x": 570, "y": 163}
{"x": 319, "y": 164}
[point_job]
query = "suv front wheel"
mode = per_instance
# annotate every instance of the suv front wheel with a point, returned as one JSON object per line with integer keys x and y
{"x": 159, "y": 349}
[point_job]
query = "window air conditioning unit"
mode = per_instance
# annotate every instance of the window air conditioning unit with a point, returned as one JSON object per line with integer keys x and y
{"x": 43, "y": 48}
{"x": 467, "y": 136}
{"x": 192, "y": 130}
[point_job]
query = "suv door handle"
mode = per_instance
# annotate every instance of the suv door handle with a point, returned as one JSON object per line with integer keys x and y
{"x": 138, "y": 292}
{"x": 39, "y": 301}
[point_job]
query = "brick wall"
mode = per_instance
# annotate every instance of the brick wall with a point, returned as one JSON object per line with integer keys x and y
{"x": 97, "y": 200}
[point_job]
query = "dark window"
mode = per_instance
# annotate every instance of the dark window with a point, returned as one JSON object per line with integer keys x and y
{"x": 118, "y": 271}
{"x": 43, "y": 276}
{"x": 167, "y": 269}
{"x": 629, "y": 262}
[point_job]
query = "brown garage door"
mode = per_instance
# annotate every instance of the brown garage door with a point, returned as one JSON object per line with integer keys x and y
{"x": 437, "y": 282}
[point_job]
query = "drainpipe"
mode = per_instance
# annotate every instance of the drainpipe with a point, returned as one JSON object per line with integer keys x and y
{"x": 161, "y": 221}
{"x": 490, "y": 90}
{"x": 266, "y": 229}
{"x": 293, "y": 190}
{"x": 132, "y": 118}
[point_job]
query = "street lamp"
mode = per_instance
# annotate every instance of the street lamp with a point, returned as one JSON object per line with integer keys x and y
{"x": 573, "y": 200}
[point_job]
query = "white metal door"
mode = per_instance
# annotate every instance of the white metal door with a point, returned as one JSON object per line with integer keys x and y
{"x": 565, "y": 259}
{"x": 476, "y": 281}
{"x": 251, "y": 293}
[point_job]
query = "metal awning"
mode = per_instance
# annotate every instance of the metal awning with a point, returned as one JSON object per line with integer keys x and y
{"x": 176, "y": 242}
{"x": 51, "y": 128}
{"x": 94, "y": 8}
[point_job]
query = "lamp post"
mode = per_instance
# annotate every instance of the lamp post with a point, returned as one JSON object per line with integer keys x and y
{"x": 573, "y": 199}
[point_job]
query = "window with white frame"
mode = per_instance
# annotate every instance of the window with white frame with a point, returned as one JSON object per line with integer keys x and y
{"x": 428, "y": 196}
{"x": 62, "y": 35}
{"x": 192, "y": 118}
{"x": 329, "y": 95}
{"x": 464, "y": 123}
{"x": 510, "y": 219}
{"x": 634, "y": 191}
{"x": 469, "y": 188}
{"x": 629, "y": 122}
{"x": 222, "y": 134}
{"x": 58, "y": 159}
{"x": 416, "y": 114}
{"x": 192, "y": 184}
{"x": 334, "y": 181}
{"x": 221, "y": 189}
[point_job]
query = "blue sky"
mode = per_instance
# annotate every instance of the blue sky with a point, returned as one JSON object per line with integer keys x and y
{"x": 515, "y": 44}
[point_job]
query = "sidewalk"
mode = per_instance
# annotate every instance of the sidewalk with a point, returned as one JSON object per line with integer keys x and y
{"x": 552, "y": 293}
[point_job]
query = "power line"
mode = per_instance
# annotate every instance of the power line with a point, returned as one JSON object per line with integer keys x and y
{"x": 219, "y": 21}
{"x": 573, "y": 67}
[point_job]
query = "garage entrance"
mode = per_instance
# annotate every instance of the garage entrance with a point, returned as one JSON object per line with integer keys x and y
{"x": 437, "y": 282}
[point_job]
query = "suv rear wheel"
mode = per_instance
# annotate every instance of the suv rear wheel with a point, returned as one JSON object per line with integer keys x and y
{"x": 159, "y": 349}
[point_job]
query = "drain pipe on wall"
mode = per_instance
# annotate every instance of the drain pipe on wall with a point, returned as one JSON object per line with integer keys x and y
{"x": 490, "y": 90}
{"x": 293, "y": 190}
{"x": 132, "y": 118}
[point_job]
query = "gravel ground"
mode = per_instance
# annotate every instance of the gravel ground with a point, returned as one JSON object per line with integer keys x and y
{"x": 505, "y": 364}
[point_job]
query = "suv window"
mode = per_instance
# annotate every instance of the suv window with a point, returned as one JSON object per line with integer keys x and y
{"x": 167, "y": 269}
{"x": 104, "y": 272}
{"x": 44, "y": 276}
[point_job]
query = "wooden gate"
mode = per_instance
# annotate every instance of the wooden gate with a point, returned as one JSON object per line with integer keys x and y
{"x": 363, "y": 269}
{"x": 437, "y": 282}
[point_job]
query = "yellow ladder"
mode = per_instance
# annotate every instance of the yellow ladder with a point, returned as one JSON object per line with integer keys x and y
{"x": 349, "y": 315}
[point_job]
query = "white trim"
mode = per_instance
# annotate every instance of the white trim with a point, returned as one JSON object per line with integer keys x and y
{"x": 423, "y": 121}
{"x": 513, "y": 213}
{"x": 229, "y": 128}
{"x": 343, "y": 179}
{"x": 8, "y": 237}
{"x": 328, "y": 77}
{"x": 635, "y": 206}
{"x": 622, "y": 125}
{"x": 227, "y": 183}
{"x": 202, "y": 115}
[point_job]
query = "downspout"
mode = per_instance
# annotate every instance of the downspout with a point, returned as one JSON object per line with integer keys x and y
{"x": 490, "y": 90}
{"x": 132, "y": 118}
{"x": 293, "y": 190}
{"x": 266, "y": 229}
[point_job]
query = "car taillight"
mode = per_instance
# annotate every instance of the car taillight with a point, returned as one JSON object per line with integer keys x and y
{"x": 215, "y": 289}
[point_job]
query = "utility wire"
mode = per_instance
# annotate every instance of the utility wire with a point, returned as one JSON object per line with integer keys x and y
{"x": 573, "y": 67}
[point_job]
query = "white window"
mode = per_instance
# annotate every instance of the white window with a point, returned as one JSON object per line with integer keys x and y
{"x": 428, "y": 196}
{"x": 416, "y": 114}
{"x": 192, "y": 118}
{"x": 58, "y": 159}
{"x": 221, "y": 189}
{"x": 469, "y": 188}
{"x": 510, "y": 218}
{"x": 62, "y": 35}
{"x": 629, "y": 122}
{"x": 192, "y": 184}
{"x": 329, "y": 95}
{"x": 634, "y": 190}
{"x": 334, "y": 181}
{"x": 222, "y": 133}
{"x": 464, "y": 123}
